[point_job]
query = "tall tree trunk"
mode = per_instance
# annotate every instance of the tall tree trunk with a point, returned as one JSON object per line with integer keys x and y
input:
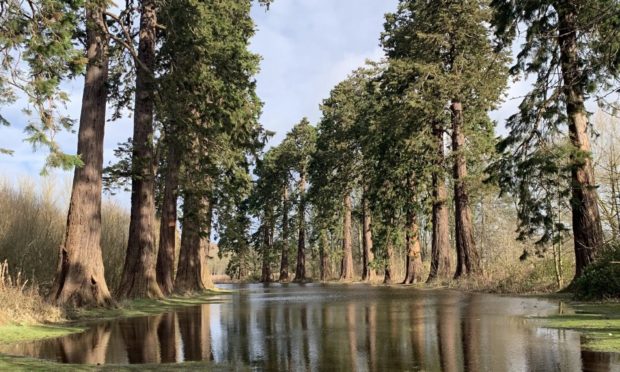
{"x": 368, "y": 257}
{"x": 284, "y": 260}
{"x": 168, "y": 224}
{"x": 267, "y": 245}
{"x": 79, "y": 278}
{"x": 206, "y": 242}
{"x": 440, "y": 253}
{"x": 346, "y": 266}
{"x": 139, "y": 278}
{"x": 192, "y": 272}
{"x": 413, "y": 272}
{"x": 324, "y": 257}
{"x": 389, "y": 252}
{"x": 468, "y": 257}
{"x": 587, "y": 229}
{"x": 300, "y": 270}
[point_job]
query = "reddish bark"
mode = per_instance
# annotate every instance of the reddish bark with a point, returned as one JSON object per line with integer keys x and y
{"x": 168, "y": 224}
{"x": 192, "y": 273}
{"x": 468, "y": 257}
{"x": 368, "y": 257}
{"x": 346, "y": 266}
{"x": 284, "y": 261}
{"x": 139, "y": 278}
{"x": 440, "y": 253}
{"x": 79, "y": 279}
{"x": 413, "y": 273}
{"x": 587, "y": 229}
{"x": 300, "y": 270}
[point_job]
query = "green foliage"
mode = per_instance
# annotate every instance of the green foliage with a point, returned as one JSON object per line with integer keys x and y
{"x": 601, "y": 280}
{"x": 209, "y": 109}
{"x": 438, "y": 52}
{"x": 535, "y": 160}
{"x": 33, "y": 226}
{"x": 38, "y": 50}
{"x": 339, "y": 164}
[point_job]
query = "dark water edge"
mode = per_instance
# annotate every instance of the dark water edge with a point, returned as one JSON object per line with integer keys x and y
{"x": 317, "y": 327}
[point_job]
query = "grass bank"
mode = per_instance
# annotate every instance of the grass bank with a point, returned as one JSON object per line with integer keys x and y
{"x": 599, "y": 323}
{"x": 8, "y": 363}
{"x": 76, "y": 321}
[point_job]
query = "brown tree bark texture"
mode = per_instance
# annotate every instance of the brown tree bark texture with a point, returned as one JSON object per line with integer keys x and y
{"x": 346, "y": 268}
{"x": 368, "y": 257}
{"x": 79, "y": 279}
{"x": 168, "y": 224}
{"x": 300, "y": 270}
{"x": 192, "y": 273}
{"x": 284, "y": 261}
{"x": 139, "y": 278}
{"x": 468, "y": 257}
{"x": 389, "y": 252}
{"x": 413, "y": 269}
{"x": 441, "y": 264}
{"x": 587, "y": 229}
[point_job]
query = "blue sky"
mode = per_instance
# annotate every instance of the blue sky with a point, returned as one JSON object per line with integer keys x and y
{"x": 307, "y": 47}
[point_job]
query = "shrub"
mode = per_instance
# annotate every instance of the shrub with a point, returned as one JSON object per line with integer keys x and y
{"x": 601, "y": 280}
{"x": 20, "y": 301}
{"x": 33, "y": 224}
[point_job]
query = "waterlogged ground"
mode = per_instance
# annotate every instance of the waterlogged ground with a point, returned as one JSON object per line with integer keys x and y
{"x": 318, "y": 327}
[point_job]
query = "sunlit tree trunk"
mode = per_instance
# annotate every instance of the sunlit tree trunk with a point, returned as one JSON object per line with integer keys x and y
{"x": 300, "y": 271}
{"x": 346, "y": 267}
{"x": 587, "y": 229}
{"x": 168, "y": 223}
{"x": 284, "y": 261}
{"x": 389, "y": 252}
{"x": 368, "y": 257}
{"x": 192, "y": 273}
{"x": 440, "y": 252}
{"x": 468, "y": 257}
{"x": 324, "y": 255}
{"x": 267, "y": 246}
{"x": 80, "y": 279}
{"x": 413, "y": 272}
{"x": 139, "y": 277}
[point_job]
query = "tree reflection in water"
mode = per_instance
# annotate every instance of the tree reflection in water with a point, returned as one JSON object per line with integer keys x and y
{"x": 346, "y": 328}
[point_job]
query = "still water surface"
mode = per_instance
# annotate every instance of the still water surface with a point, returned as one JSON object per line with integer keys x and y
{"x": 317, "y": 327}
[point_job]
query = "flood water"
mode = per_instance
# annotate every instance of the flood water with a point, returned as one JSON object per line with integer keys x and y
{"x": 319, "y": 327}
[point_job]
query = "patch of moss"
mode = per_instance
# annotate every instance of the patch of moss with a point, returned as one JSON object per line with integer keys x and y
{"x": 12, "y": 333}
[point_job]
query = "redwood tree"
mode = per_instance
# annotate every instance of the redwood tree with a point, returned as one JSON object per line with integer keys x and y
{"x": 569, "y": 49}
{"x": 298, "y": 147}
{"x": 346, "y": 265}
{"x": 79, "y": 277}
{"x": 139, "y": 277}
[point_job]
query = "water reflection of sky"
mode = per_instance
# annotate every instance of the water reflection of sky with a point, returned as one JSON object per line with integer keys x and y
{"x": 328, "y": 327}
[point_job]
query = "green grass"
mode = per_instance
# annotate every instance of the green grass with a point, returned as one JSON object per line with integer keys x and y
{"x": 13, "y": 333}
{"x": 599, "y": 323}
{"x": 145, "y": 307}
{"x": 8, "y": 363}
